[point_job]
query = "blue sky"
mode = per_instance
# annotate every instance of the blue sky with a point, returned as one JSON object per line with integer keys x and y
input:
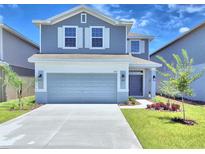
{"x": 165, "y": 22}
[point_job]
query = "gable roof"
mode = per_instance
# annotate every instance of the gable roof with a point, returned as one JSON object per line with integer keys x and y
{"x": 179, "y": 37}
{"x": 14, "y": 32}
{"x": 140, "y": 36}
{"x": 79, "y": 9}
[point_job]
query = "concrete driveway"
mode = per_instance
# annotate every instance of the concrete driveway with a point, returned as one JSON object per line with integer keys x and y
{"x": 72, "y": 126}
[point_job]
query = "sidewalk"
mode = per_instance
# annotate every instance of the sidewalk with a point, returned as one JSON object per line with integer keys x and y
{"x": 143, "y": 104}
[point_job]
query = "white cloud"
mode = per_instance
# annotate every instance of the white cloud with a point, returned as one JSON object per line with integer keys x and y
{"x": 1, "y": 18}
{"x": 184, "y": 29}
{"x": 143, "y": 23}
{"x": 102, "y": 8}
{"x": 13, "y": 5}
{"x": 172, "y": 6}
{"x": 115, "y": 5}
{"x": 1, "y": 5}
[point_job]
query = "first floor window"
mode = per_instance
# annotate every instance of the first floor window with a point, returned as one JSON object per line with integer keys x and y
{"x": 97, "y": 37}
{"x": 70, "y": 37}
{"x": 135, "y": 47}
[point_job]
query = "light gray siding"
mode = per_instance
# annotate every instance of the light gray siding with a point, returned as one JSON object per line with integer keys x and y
{"x": 49, "y": 42}
{"x": 16, "y": 51}
{"x": 82, "y": 88}
{"x": 194, "y": 43}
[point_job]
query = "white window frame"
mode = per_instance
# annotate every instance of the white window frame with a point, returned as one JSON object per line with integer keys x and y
{"x": 103, "y": 37}
{"x": 131, "y": 47}
{"x": 83, "y": 14}
{"x": 64, "y": 37}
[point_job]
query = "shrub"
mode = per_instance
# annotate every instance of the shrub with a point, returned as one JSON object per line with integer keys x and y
{"x": 163, "y": 106}
{"x": 13, "y": 106}
{"x": 132, "y": 101}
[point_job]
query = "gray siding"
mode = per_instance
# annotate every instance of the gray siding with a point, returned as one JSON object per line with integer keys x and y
{"x": 193, "y": 43}
{"x": 144, "y": 55}
{"x": 16, "y": 51}
{"x": 23, "y": 71}
{"x": 195, "y": 46}
{"x": 49, "y": 36}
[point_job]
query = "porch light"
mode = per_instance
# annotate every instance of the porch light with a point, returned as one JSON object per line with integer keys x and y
{"x": 149, "y": 95}
{"x": 154, "y": 77}
{"x": 123, "y": 77}
{"x": 40, "y": 76}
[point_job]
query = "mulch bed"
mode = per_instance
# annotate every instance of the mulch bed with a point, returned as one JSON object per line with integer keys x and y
{"x": 185, "y": 122}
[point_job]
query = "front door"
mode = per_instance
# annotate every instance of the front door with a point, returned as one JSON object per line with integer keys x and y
{"x": 136, "y": 83}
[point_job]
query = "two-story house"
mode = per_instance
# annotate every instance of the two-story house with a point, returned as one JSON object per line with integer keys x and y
{"x": 88, "y": 57}
{"x": 15, "y": 49}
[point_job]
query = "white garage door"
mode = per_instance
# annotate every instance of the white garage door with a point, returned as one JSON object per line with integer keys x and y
{"x": 82, "y": 88}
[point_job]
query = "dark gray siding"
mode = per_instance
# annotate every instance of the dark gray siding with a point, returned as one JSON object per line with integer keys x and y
{"x": 49, "y": 36}
{"x": 16, "y": 51}
{"x": 23, "y": 71}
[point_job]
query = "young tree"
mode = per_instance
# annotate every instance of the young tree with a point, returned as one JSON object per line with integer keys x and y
{"x": 12, "y": 79}
{"x": 181, "y": 75}
{"x": 166, "y": 87}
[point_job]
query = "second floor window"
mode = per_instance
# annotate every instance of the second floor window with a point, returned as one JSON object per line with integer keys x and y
{"x": 97, "y": 37}
{"x": 135, "y": 46}
{"x": 70, "y": 37}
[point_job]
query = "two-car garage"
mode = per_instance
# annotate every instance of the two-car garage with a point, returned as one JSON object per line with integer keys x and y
{"x": 82, "y": 88}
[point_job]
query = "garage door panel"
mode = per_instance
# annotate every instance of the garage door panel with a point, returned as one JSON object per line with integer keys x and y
{"x": 82, "y": 88}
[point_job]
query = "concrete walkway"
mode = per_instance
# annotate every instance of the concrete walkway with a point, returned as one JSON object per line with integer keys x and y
{"x": 143, "y": 104}
{"x": 71, "y": 127}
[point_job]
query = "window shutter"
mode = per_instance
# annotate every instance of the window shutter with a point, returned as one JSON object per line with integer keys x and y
{"x": 87, "y": 38}
{"x": 142, "y": 46}
{"x": 60, "y": 37}
{"x": 106, "y": 38}
{"x": 129, "y": 46}
{"x": 79, "y": 37}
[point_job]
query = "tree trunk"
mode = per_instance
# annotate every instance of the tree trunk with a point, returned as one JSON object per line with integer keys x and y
{"x": 183, "y": 109}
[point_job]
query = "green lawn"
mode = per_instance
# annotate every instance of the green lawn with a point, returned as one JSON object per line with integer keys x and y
{"x": 155, "y": 130}
{"x": 7, "y": 112}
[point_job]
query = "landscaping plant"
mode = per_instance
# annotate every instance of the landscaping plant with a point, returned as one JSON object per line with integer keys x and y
{"x": 181, "y": 75}
{"x": 10, "y": 78}
{"x": 167, "y": 88}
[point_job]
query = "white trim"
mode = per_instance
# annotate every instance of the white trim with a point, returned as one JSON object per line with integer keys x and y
{"x": 103, "y": 37}
{"x": 79, "y": 9}
{"x": 143, "y": 82}
{"x": 81, "y": 17}
{"x": 40, "y": 38}
{"x": 1, "y": 44}
{"x": 81, "y": 67}
{"x": 44, "y": 89}
{"x": 76, "y": 38}
{"x": 131, "y": 47}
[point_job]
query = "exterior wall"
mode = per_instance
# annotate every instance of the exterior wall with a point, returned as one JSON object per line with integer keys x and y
{"x": 192, "y": 43}
{"x": 49, "y": 38}
{"x": 82, "y": 67}
{"x": 16, "y": 51}
{"x": 144, "y": 55}
{"x": 196, "y": 49}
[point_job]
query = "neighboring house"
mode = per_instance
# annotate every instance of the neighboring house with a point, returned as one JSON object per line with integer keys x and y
{"x": 85, "y": 57}
{"x": 193, "y": 42}
{"x": 14, "y": 51}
